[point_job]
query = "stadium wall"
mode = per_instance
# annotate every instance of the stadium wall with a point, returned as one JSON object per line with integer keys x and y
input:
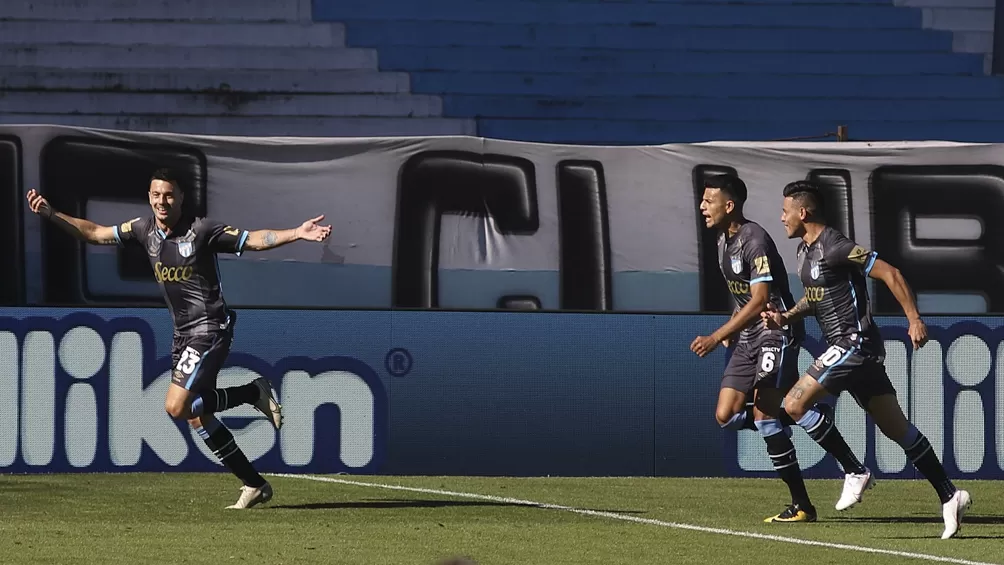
{"x": 517, "y": 225}
{"x": 467, "y": 393}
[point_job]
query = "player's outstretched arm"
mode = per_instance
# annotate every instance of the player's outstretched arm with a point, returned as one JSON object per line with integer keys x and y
{"x": 84, "y": 230}
{"x": 261, "y": 240}
{"x": 904, "y": 295}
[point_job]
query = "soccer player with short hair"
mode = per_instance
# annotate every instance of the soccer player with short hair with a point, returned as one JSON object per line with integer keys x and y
{"x": 832, "y": 269}
{"x": 765, "y": 361}
{"x": 182, "y": 250}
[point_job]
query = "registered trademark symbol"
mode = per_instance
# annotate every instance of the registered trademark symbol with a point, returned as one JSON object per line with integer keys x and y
{"x": 398, "y": 362}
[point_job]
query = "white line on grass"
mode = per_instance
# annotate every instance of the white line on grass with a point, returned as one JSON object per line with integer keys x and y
{"x": 628, "y": 518}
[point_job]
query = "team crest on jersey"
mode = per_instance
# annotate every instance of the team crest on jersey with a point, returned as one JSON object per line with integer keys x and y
{"x": 185, "y": 248}
{"x": 737, "y": 265}
{"x": 814, "y": 270}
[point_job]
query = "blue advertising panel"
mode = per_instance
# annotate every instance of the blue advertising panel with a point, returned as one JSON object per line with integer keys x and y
{"x": 462, "y": 393}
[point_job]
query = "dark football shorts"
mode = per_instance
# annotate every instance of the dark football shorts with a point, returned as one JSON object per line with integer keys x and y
{"x": 844, "y": 366}
{"x": 770, "y": 361}
{"x": 196, "y": 360}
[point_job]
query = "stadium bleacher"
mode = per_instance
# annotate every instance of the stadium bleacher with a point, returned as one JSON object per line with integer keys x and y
{"x": 579, "y": 71}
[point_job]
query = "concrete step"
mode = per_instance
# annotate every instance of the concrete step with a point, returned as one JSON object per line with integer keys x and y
{"x": 973, "y": 42}
{"x": 946, "y": 3}
{"x": 231, "y": 103}
{"x": 242, "y": 10}
{"x": 149, "y": 56}
{"x": 953, "y": 19}
{"x": 708, "y": 85}
{"x": 183, "y": 80}
{"x": 256, "y": 126}
{"x": 193, "y": 34}
{"x": 680, "y": 109}
{"x": 364, "y": 33}
{"x": 621, "y": 60}
{"x": 614, "y": 132}
{"x": 835, "y": 15}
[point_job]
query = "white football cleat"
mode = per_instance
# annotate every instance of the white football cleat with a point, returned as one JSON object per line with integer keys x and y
{"x": 266, "y": 403}
{"x": 953, "y": 511}
{"x": 251, "y": 496}
{"x": 854, "y": 487}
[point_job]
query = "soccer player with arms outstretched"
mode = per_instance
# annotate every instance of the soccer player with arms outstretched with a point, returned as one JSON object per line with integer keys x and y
{"x": 832, "y": 269}
{"x": 182, "y": 250}
{"x": 765, "y": 361}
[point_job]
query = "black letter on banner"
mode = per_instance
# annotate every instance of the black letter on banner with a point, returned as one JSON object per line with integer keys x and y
{"x": 714, "y": 292}
{"x": 75, "y": 170}
{"x": 440, "y": 182}
{"x": 835, "y": 184}
{"x": 901, "y": 193}
{"x": 585, "y": 236}
{"x": 11, "y": 193}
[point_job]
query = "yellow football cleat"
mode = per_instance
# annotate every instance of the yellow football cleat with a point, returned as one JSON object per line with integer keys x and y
{"x": 794, "y": 513}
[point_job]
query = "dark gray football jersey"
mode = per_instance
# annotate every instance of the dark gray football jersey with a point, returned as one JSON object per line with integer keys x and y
{"x": 750, "y": 257}
{"x": 833, "y": 271}
{"x": 186, "y": 268}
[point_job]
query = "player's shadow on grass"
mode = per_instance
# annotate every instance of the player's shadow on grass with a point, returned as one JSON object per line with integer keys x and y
{"x": 383, "y": 504}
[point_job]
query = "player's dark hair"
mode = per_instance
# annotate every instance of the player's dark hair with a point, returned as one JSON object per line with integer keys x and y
{"x": 808, "y": 196}
{"x": 168, "y": 175}
{"x": 731, "y": 186}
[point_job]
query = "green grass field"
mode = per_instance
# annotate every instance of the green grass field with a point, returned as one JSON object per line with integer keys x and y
{"x": 180, "y": 518}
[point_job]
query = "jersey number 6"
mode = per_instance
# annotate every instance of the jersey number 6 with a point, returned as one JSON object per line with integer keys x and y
{"x": 767, "y": 362}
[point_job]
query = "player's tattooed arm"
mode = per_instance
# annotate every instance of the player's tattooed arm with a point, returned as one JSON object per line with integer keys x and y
{"x": 269, "y": 239}
{"x": 84, "y": 230}
{"x": 776, "y": 320}
{"x": 798, "y": 311}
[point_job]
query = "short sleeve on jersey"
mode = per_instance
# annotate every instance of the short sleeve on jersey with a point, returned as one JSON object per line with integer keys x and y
{"x": 845, "y": 253}
{"x": 223, "y": 238}
{"x": 128, "y": 231}
{"x": 757, "y": 254}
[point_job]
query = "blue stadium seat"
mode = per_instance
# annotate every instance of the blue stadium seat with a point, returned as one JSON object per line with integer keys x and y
{"x": 658, "y": 71}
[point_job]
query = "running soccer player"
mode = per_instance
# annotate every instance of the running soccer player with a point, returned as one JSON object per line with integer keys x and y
{"x": 765, "y": 361}
{"x": 182, "y": 251}
{"x": 832, "y": 269}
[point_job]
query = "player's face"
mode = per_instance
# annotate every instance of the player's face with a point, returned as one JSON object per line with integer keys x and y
{"x": 791, "y": 217}
{"x": 165, "y": 200}
{"x": 714, "y": 207}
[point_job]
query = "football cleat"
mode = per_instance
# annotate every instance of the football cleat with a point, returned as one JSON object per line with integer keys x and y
{"x": 266, "y": 403}
{"x": 794, "y": 513}
{"x": 854, "y": 487}
{"x": 953, "y": 511}
{"x": 251, "y": 496}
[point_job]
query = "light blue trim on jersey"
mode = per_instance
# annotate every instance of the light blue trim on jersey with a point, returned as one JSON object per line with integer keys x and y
{"x": 195, "y": 371}
{"x": 767, "y": 278}
{"x": 240, "y": 243}
{"x": 219, "y": 279}
{"x": 780, "y": 362}
{"x": 871, "y": 263}
{"x": 854, "y": 299}
{"x": 118, "y": 238}
{"x": 161, "y": 233}
{"x": 839, "y": 362}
